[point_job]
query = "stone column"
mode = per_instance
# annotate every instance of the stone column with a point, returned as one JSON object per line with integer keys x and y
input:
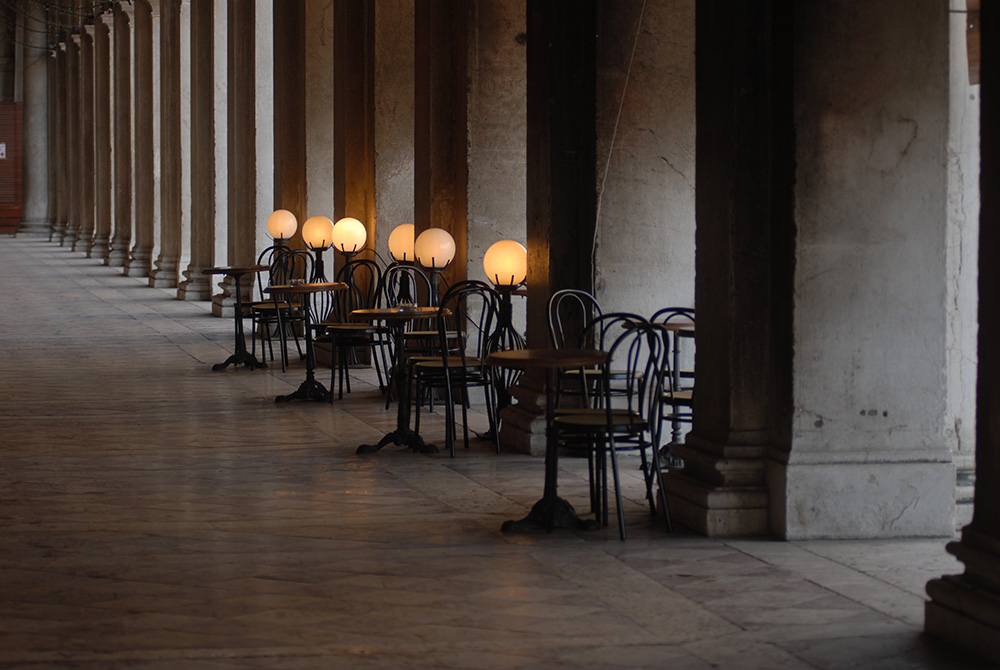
{"x": 965, "y": 609}
{"x": 36, "y": 218}
{"x": 354, "y": 115}
{"x": 220, "y": 108}
{"x": 561, "y": 183}
{"x": 289, "y": 115}
{"x": 743, "y": 263}
{"x": 144, "y": 165}
{"x": 171, "y": 150}
{"x": 868, "y": 454}
{"x": 54, "y": 144}
{"x": 394, "y": 67}
{"x": 122, "y": 237}
{"x": 197, "y": 286}
{"x": 85, "y": 236}
{"x": 264, "y": 103}
{"x": 103, "y": 163}
{"x": 441, "y": 124}
{"x": 242, "y": 159}
{"x": 72, "y": 141}
{"x": 319, "y": 103}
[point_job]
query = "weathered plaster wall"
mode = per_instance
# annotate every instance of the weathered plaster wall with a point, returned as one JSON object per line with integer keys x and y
{"x": 869, "y": 453}
{"x": 962, "y": 260}
{"x": 646, "y": 134}
{"x": 393, "y": 118}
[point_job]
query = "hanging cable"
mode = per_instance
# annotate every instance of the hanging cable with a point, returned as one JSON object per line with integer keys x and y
{"x": 611, "y": 147}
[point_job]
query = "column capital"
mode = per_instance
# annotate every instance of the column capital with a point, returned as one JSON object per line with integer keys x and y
{"x": 75, "y": 38}
{"x": 90, "y": 29}
{"x": 107, "y": 19}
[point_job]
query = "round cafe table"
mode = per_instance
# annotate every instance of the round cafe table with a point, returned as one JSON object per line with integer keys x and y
{"x": 311, "y": 388}
{"x": 551, "y": 511}
{"x": 240, "y": 354}
{"x": 397, "y": 318}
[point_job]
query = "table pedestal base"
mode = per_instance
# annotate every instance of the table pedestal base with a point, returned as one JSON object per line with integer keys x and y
{"x": 310, "y": 389}
{"x": 240, "y": 358}
{"x": 403, "y": 437}
{"x": 556, "y": 511}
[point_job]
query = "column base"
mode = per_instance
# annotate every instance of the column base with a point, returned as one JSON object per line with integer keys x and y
{"x": 522, "y": 427}
{"x": 196, "y": 287}
{"x": 721, "y": 492}
{"x": 100, "y": 249}
{"x": 117, "y": 256}
{"x": 964, "y": 610}
{"x": 34, "y": 229}
{"x": 164, "y": 276}
{"x": 863, "y": 495}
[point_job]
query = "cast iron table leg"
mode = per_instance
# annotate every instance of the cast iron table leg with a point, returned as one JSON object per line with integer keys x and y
{"x": 403, "y": 435}
{"x": 240, "y": 354}
{"x": 311, "y": 388}
{"x": 551, "y": 511}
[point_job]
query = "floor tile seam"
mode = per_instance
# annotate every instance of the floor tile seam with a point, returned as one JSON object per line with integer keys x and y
{"x": 884, "y": 611}
{"x": 690, "y": 648}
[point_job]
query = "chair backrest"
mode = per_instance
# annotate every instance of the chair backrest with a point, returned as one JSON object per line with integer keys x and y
{"x": 363, "y": 278}
{"x": 668, "y": 314}
{"x": 638, "y": 364}
{"x": 569, "y": 312}
{"x": 601, "y": 331}
{"x": 404, "y": 283}
{"x": 474, "y": 315}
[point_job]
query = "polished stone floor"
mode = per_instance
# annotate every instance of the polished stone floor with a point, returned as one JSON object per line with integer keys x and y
{"x": 156, "y": 514}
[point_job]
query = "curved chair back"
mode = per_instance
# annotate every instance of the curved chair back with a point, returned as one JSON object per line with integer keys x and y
{"x": 404, "y": 283}
{"x": 363, "y": 278}
{"x": 569, "y": 312}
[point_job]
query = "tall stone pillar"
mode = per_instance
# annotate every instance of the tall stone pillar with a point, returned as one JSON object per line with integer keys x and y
{"x": 73, "y": 127}
{"x": 289, "y": 115}
{"x": 85, "y": 235}
{"x": 55, "y": 132}
{"x": 264, "y": 104}
{"x": 394, "y": 67}
{"x": 319, "y": 102}
{"x": 122, "y": 237}
{"x": 144, "y": 165}
{"x": 220, "y": 108}
{"x": 965, "y": 609}
{"x": 354, "y": 114}
{"x": 103, "y": 158}
{"x": 62, "y": 155}
{"x": 561, "y": 183}
{"x": 868, "y": 453}
{"x": 242, "y": 159}
{"x": 440, "y": 134}
{"x": 744, "y": 211}
{"x": 171, "y": 148}
{"x": 197, "y": 286}
{"x": 36, "y": 220}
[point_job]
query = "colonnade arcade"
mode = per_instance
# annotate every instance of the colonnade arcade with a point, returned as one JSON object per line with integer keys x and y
{"x": 828, "y": 238}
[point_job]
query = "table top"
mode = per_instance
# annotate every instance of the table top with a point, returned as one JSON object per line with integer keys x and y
{"x": 676, "y": 325}
{"x": 318, "y": 287}
{"x": 235, "y": 269}
{"x": 547, "y": 358}
{"x": 400, "y": 313}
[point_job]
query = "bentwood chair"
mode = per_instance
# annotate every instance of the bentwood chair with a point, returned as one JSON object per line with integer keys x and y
{"x": 346, "y": 335}
{"x": 275, "y": 314}
{"x": 467, "y": 317}
{"x": 624, "y": 414}
{"x": 678, "y": 323}
{"x": 405, "y": 284}
{"x": 569, "y": 312}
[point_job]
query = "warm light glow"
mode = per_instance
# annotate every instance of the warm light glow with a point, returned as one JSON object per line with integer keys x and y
{"x": 281, "y": 225}
{"x": 401, "y": 242}
{"x": 506, "y": 263}
{"x": 434, "y": 248}
{"x": 317, "y": 232}
{"x": 349, "y": 235}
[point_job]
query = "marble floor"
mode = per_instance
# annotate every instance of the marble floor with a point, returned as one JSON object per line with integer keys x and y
{"x": 156, "y": 514}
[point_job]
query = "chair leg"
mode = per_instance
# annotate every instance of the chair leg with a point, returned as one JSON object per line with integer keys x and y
{"x": 618, "y": 488}
{"x": 663, "y": 491}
